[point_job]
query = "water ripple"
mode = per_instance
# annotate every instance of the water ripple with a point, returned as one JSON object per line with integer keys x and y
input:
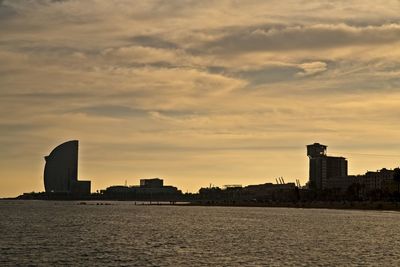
{"x": 40, "y": 233}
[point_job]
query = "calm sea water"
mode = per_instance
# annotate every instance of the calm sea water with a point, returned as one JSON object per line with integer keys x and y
{"x": 39, "y": 233}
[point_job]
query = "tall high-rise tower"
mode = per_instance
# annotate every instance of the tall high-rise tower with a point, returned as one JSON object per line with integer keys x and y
{"x": 324, "y": 167}
{"x": 61, "y": 170}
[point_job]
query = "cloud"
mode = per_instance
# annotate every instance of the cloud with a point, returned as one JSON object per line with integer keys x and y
{"x": 311, "y": 68}
{"x": 153, "y": 41}
{"x": 6, "y": 11}
{"x": 117, "y": 111}
{"x": 300, "y": 37}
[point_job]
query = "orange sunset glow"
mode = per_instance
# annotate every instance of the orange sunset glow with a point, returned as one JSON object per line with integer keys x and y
{"x": 197, "y": 92}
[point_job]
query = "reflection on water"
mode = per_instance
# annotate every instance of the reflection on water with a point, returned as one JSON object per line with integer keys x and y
{"x": 65, "y": 233}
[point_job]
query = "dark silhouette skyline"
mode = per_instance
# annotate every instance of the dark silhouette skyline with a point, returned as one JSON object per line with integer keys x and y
{"x": 328, "y": 180}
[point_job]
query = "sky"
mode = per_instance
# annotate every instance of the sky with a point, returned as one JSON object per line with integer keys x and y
{"x": 197, "y": 92}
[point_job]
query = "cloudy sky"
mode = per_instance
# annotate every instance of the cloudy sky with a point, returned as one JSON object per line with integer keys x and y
{"x": 197, "y": 92}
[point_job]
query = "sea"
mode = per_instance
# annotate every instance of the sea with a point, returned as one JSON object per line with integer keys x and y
{"x": 68, "y": 233}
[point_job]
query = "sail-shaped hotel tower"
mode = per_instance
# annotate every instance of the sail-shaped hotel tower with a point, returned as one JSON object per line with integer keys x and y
{"x": 61, "y": 170}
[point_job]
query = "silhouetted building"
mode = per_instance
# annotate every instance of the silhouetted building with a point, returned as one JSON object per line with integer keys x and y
{"x": 149, "y": 189}
{"x": 252, "y": 193}
{"x": 269, "y": 191}
{"x": 152, "y": 183}
{"x": 383, "y": 179}
{"x": 324, "y": 167}
{"x": 344, "y": 182}
{"x": 61, "y": 171}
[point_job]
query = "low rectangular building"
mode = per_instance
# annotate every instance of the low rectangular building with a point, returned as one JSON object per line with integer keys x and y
{"x": 152, "y": 183}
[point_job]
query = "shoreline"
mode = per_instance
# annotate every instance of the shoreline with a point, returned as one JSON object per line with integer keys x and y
{"x": 374, "y": 206}
{"x": 343, "y": 205}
